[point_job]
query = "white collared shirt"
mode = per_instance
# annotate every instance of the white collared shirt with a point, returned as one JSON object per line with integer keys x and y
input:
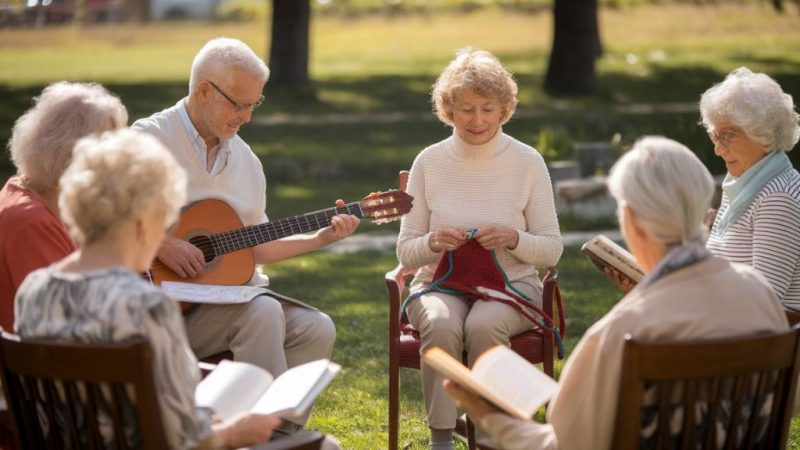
{"x": 199, "y": 144}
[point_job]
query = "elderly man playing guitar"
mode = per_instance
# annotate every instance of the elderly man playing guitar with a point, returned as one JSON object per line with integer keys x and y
{"x": 227, "y": 182}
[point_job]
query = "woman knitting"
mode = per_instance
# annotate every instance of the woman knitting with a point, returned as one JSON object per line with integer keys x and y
{"x": 480, "y": 179}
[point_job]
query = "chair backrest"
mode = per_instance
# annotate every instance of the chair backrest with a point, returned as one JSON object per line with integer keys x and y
{"x": 73, "y": 395}
{"x": 733, "y": 393}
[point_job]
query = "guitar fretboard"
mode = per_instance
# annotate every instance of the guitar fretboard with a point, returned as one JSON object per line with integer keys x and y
{"x": 231, "y": 241}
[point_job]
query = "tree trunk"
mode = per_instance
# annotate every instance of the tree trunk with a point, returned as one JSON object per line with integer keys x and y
{"x": 288, "y": 53}
{"x": 137, "y": 11}
{"x": 576, "y": 46}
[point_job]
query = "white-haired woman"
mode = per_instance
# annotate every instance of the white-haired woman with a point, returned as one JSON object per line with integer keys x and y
{"x": 478, "y": 178}
{"x": 117, "y": 197}
{"x": 752, "y": 124}
{"x": 663, "y": 192}
{"x": 31, "y": 233}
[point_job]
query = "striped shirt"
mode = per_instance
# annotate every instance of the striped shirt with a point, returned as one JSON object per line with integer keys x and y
{"x": 767, "y": 236}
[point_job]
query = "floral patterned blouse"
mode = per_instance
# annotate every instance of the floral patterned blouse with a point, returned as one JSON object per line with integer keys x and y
{"x": 112, "y": 305}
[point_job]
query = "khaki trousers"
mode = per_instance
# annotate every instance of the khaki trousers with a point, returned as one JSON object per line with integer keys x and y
{"x": 455, "y": 326}
{"x": 266, "y": 332}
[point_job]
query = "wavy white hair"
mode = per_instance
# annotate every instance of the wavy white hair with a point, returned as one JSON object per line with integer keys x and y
{"x": 117, "y": 176}
{"x": 42, "y": 139}
{"x": 755, "y": 103}
{"x": 666, "y": 187}
{"x": 222, "y": 54}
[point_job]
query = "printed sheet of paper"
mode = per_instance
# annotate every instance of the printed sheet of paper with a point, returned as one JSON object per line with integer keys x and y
{"x": 210, "y": 293}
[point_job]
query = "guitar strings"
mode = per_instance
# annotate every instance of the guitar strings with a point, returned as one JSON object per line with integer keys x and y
{"x": 249, "y": 236}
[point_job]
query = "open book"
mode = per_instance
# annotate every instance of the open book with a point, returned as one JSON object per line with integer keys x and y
{"x": 605, "y": 253}
{"x": 236, "y": 387}
{"x": 499, "y": 376}
{"x": 221, "y": 294}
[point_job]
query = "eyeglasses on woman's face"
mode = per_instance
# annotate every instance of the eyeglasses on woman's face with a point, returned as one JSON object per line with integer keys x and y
{"x": 238, "y": 106}
{"x": 724, "y": 138}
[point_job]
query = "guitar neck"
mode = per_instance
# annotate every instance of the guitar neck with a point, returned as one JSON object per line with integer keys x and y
{"x": 247, "y": 237}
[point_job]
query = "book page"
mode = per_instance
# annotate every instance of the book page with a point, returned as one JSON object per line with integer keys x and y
{"x": 232, "y": 388}
{"x": 210, "y": 293}
{"x": 514, "y": 379}
{"x": 292, "y": 393}
{"x": 515, "y": 388}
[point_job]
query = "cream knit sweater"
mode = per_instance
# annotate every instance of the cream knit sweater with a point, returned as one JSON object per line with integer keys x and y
{"x": 505, "y": 182}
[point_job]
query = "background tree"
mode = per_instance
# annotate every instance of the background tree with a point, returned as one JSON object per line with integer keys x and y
{"x": 288, "y": 51}
{"x": 576, "y": 46}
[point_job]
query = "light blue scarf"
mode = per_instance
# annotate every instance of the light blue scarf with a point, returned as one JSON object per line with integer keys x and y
{"x": 677, "y": 258}
{"x": 742, "y": 190}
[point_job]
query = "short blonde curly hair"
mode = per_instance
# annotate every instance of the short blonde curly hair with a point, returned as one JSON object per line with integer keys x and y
{"x": 43, "y": 138}
{"x": 117, "y": 176}
{"x": 480, "y": 71}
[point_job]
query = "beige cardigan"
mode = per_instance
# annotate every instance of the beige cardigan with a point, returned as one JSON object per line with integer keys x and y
{"x": 714, "y": 298}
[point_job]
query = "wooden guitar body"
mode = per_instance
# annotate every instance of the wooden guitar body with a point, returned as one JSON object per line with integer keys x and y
{"x": 216, "y": 216}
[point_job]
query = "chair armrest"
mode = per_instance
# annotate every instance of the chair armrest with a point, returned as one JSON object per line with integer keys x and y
{"x": 396, "y": 285}
{"x": 302, "y": 440}
{"x": 549, "y": 286}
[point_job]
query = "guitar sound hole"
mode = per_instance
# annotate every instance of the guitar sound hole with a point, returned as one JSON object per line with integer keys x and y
{"x": 205, "y": 245}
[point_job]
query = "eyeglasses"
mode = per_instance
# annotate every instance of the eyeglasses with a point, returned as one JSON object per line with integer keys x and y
{"x": 725, "y": 138}
{"x": 238, "y": 107}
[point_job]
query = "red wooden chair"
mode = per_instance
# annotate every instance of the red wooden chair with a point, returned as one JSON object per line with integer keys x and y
{"x": 535, "y": 345}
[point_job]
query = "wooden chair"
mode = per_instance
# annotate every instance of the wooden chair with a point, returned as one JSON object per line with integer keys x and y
{"x": 42, "y": 376}
{"x": 697, "y": 383}
{"x": 793, "y": 317}
{"x": 404, "y": 341}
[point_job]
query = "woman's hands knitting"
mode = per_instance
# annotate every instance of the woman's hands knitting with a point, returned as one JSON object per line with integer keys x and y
{"x": 497, "y": 237}
{"x": 447, "y": 239}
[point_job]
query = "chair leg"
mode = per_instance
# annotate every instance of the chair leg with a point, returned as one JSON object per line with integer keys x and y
{"x": 471, "y": 444}
{"x": 394, "y": 402}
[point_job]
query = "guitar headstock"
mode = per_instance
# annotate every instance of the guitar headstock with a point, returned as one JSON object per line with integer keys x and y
{"x": 383, "y": 207}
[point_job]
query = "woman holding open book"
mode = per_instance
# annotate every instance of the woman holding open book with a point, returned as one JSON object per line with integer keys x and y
{"x": 663, "y": 192}
{"x": 480, "y": 179}
{"x": 117, "y": 197}
{"x": 753, "y": 124}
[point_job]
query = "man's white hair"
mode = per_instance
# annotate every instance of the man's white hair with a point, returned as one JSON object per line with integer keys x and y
{"x": 222, "y": 54}
{"x": 755, "y": 103}
{"x": 666, "y": 187}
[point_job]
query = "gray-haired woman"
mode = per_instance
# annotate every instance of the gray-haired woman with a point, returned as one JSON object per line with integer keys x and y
{"x": 663, "y": 192}
{"x": 752, "y": 124}
{"x": 31, "y": 232}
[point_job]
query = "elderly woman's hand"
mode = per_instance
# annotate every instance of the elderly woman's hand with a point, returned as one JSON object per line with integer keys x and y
{"x": 497, "y": 237}
{"x": 447, "y": 239}
{"x": 474, "y": 406}
{"x": 621, "y": 282}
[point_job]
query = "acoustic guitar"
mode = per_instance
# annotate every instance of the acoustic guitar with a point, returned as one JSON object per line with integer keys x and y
{"x": 215, "y": 228}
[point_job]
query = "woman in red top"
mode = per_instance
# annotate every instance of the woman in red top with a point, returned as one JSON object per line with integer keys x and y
{"x": 31, "y": 232}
